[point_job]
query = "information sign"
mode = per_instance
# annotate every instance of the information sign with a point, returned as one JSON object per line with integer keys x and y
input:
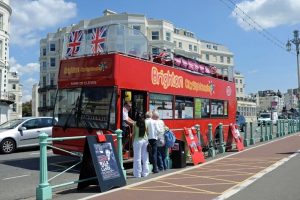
{"x": 194, "y": 146}
{"x": 99, "y": 161}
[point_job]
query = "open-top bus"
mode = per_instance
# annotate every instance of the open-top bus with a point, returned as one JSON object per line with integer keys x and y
{"x": 94, "y": 82}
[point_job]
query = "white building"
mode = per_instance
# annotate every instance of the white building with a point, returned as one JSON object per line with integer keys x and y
{"x": 10, "y": 90}
{"x": 290, "y": 99}
{"x": 246, "y": 105}
{"x": 160, "y": 33}
{"x": 15, "y": 89}
{"x": 269, "y": 100}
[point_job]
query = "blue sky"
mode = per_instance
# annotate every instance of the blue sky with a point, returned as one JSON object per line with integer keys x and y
{"x": 264, "y": 64}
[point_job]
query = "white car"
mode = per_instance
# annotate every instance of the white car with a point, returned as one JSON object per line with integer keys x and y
{"x": 23, "y": 132}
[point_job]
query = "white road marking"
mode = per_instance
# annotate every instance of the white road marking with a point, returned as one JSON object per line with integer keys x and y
{"x": 235, "y": 189}
{"x": 182, "y": 170}
{"x": 14, "y": 177}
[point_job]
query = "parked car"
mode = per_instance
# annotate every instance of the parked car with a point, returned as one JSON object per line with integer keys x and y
{"x": 23, "y": 132}
{"x": 241, "y": 122}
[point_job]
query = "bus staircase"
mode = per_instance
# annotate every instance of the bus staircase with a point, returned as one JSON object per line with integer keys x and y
{"x": 211, "y": 147}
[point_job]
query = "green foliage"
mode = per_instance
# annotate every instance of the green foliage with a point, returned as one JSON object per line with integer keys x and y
{"x": 26, "y": 109}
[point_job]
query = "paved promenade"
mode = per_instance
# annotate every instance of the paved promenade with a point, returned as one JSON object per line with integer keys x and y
{"x": 216, "y": 179}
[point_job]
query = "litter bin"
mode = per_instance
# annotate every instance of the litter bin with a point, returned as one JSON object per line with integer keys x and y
{"x": 178, "y": 154}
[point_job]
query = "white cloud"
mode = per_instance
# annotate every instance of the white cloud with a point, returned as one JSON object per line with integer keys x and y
{"x": 30, "y": 17}
{"x": 29, "y": 69}
{"x": 26, "y": 73}
{"x": 267, "y": 13}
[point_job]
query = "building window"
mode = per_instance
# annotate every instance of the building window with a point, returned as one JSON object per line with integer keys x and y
{"x": 221, "y": 59}
{"x": 215, "y": 47}
{"x": 14, "y": 108}
{"x": 175, "y": 43}
{"x": 1, "y": 21}
{"x": 44, "y": 51}
{"x": 241, "y": 89}
{"x": 208, "y": 46}
{"x": 44, "y": 65}
{"x": 241, "y": 81}
{"x": 155, "y": 35}
{"x": 168, "y": 36}
{"x": 207, "y": 56}
{"x": 228, "y": 60}
{"x": 52, "y": 62}
{"x": 180, "y": 45}
{"x": 52, "y": 79}
{"x": 44, "y": 100}
{"x": 190, "y": 47}
{"x": 136, "y": 29}
{"x": 236, "y": 80}
{"x": 195, "y": 48}
{"x": 1, "y": 48}
{"x": 237, "y": 90}
{"x": 155, "y": 51}
{"x": 52, "y": 47}
{"x": 44, "y": 83}
{"x": 13, "y": 86}
{"x": 176, "y": 31}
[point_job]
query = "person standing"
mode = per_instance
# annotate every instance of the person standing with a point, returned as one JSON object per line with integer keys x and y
{"x": 140, "y": 153}
{"x": 161, "y": 143}
{"x": 127, "y": 123}
{"x": 151, "y": 129}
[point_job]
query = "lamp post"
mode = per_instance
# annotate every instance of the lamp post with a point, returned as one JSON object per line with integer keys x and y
{"x": 296, "y": 42}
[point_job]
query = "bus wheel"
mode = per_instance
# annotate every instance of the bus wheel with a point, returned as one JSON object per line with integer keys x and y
{"x": 8, "y": 146}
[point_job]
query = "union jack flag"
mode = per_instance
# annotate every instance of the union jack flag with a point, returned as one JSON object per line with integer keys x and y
{"x": 98, "y": 39}
{"x": 74, "y": 42}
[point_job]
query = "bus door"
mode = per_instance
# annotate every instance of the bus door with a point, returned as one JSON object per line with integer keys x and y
{"x": 138, "y": 101}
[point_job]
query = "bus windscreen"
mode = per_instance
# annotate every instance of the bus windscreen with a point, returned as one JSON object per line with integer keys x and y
{"x": 90, "y": 108}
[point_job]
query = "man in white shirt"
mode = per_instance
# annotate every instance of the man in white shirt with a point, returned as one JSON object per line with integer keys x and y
{"x": 152, "y": 129}
{"x": 127, "y": 123}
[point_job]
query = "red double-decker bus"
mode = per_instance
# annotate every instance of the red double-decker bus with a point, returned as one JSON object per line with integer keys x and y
{"x": 92, "y": 90}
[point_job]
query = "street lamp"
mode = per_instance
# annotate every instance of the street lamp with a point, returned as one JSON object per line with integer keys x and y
{"x": 296, "y": 42}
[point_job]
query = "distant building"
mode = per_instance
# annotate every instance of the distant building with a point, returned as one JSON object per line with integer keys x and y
{"x": 160, "y": 34}
{"x": 246, "y": 105}
{"x": 269, "y": 100}
{"x": 15, "y": 89}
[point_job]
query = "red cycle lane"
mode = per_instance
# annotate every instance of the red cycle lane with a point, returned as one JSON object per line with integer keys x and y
{"x": 215, "y": 179}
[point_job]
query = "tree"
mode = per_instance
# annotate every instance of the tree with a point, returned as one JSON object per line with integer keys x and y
{"x": 26, "y": 109}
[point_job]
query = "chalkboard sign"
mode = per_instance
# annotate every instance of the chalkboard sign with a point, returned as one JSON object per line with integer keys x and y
{"x": 99, "y": 160}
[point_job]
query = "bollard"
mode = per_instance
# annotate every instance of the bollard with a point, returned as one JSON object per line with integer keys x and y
{"x": 252, "y": 141}
{"x": 44, "y": 190}
{"x": 289, "y": 126}
{"x": 246, "y": 143}
{"x": 271, "y": 130}
{"x": 261, "y": 133}
{"x": 120, "y": 148}
{"x": 281, "y": 127}
{"x": 278, "y": 128}
{"x": 222, "y": 145}
{"x": 266, "y": 131}
{"x": 211, "y": 151}
{"x": 197, "y": 127}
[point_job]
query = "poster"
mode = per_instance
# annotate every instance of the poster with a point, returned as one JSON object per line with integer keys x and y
{"x": 107, "y": 161}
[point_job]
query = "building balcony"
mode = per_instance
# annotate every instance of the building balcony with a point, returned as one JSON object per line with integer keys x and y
{"x": 7, "y": 97}
{"x": 47, "y": 88}
{"x": 45, "y": 108}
